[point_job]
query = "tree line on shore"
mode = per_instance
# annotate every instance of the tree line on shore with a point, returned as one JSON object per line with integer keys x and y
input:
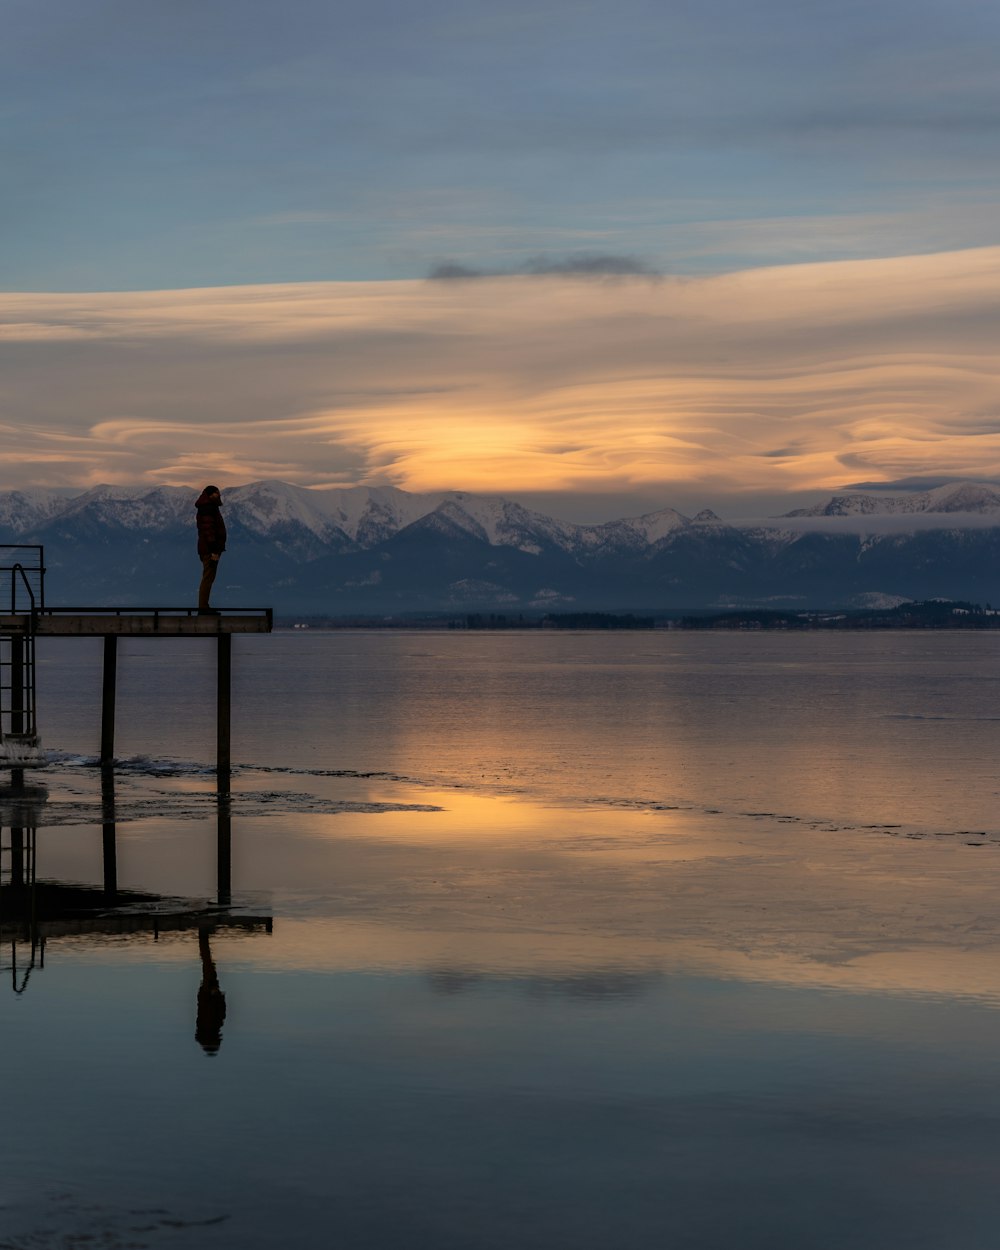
{"x": 927, "y": 614}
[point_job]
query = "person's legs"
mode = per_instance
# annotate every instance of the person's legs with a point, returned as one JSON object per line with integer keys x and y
{"x": 209, "y": 568}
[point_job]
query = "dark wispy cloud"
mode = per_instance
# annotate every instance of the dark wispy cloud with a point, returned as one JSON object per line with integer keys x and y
{"x": 779, "y": 453}
{"x": 591, "y": 266}
{"x": 917, "y": 484}
{"x": 584, "y": 266}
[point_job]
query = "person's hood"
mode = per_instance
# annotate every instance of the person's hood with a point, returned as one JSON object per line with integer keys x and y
{"x": 205, "y": 500}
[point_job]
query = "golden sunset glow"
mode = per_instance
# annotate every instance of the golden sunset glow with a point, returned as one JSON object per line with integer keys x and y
{"x": 786, "y": 379}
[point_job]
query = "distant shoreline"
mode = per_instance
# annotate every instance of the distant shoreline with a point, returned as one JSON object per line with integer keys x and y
{"x": 928, "y": 614}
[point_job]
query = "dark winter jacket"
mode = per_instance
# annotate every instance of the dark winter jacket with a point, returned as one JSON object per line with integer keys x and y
{"x": 211, "y": 528}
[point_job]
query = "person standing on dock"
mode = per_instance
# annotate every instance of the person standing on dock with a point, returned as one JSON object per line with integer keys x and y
{"x": 211, "y": 544}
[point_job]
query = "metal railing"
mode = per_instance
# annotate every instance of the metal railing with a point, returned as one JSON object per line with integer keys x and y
{"x": 266, "y": 614}
{"x": 22, "y": 578}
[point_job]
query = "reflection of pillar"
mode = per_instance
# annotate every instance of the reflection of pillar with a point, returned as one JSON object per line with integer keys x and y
{"x": 225, "y": 664}
{"x": 108, "y": 699}
{"x": 17, "y": 857}
{"x": 225, "y": 852}
{"x": 110, "y": 846}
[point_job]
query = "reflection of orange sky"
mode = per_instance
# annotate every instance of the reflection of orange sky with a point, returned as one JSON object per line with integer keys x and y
{"x": 515, "y": 889}
{"x": 662, "y": 751}
{"x": 755, "y": 381}
{"x": 326, "y": 946}
{"x": 352, "y": 947}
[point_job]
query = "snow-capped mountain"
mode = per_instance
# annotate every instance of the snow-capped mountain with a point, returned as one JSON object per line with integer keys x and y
{"x": 970, "y": 497}
{"x": 127, "y": 507}
{"x": 21, "y": 511}
{"x": 381, "y": 549}
{"x": 363, "y": 514}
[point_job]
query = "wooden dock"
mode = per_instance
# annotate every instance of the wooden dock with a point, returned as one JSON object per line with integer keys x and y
{"x": 25, "y": 617}
{"x": 136, "y": 622}
{"x": 112, "y": 623}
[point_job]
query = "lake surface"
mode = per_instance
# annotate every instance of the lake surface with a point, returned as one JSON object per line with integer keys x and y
{"x": 510, "y": 940}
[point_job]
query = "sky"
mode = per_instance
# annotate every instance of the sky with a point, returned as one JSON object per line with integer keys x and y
{"x": 602, "y": 256}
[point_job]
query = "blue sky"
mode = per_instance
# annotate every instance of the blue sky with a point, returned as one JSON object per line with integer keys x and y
{"x": 718, "y": 253}
{"x": 178, "y": 144}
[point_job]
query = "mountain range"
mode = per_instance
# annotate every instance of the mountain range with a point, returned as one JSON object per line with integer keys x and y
{"x": 381, "y": 550}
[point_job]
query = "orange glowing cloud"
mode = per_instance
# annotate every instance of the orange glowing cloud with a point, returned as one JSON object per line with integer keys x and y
{"x": 790, "y": 378}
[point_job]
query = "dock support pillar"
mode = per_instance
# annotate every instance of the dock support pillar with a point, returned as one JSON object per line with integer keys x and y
{"x": 224, "y": 714}
{"x": 108, "y": 700}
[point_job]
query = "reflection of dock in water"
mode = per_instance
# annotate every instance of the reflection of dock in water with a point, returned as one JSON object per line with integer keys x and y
{"x": 59, "y": 909}
{"x": 34, "y": 909}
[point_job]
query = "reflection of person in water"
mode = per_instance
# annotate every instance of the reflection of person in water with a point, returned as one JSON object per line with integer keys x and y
{"x": 211, "y": 1000}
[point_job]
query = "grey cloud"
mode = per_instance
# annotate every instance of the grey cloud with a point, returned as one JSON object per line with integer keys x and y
{"x": 449, "y": 271}
{"x": 877, "y": 523}
{"x": 591, "y": 266}
{"x": 889, "y": 116}
{"x": 582, "y": 266}
{"x": 968, "y": 426}
{"x": 854, "y": 460}
{"x": 915, "y": 484}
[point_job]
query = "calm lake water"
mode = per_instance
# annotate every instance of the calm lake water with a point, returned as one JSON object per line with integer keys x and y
{"x": 510, "y": 940}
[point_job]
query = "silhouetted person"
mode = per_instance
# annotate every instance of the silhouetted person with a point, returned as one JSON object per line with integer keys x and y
{"x": 211, "y": 544}
{"x": 211, "y": 1001}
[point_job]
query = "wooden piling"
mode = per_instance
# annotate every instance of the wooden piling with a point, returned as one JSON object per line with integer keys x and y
{"x": 108, "y": 700}
{"x": 111, "y": 624}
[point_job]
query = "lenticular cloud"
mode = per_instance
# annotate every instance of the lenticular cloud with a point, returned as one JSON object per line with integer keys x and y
{"x": 793, "y": 378}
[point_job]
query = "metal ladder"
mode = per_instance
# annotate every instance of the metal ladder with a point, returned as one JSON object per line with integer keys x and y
{"x": 22, "y": 597}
